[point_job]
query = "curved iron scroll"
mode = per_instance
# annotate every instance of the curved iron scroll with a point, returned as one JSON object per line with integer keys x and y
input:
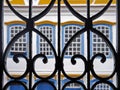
{"x": 59, "y": 55}
{"x": 89, "y": 61}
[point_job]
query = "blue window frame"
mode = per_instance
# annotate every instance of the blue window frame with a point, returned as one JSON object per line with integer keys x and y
{"x": 77, "y": 45}
{"x": 72, "y": 86}
{"x": 43, "y": 47}
{"x": 100, "y": 86}
{"x": 45, "y": 85}
{"x": 17, "y": 86}
{"x": 98, "y": 45}
{"x": 20, "y": 46}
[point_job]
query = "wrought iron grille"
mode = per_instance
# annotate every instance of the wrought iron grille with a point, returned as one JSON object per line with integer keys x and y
{"x": 59, "y": 55}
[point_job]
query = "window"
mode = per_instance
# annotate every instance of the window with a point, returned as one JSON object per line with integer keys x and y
{"x": 49, "y": 31}
{"x": 73, "y": 85}
{"x": 100, "y": 86}
{"x": 76, "y": 47}
{"x": 98, "y": 44}
{"x": 20, "y": 46}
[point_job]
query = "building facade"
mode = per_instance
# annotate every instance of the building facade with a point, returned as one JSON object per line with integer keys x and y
{"x": 48, "y": 26}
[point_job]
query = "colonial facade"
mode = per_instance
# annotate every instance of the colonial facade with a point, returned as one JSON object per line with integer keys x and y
{"x": 69, "y": 26}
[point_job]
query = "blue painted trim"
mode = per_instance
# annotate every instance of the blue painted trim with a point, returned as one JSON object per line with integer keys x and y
{"x": 22, "y": 80}
{"x": 81, "y": 38}
{"x": 53, "y": 38}
{"x": 9, "y": 35}
{"x": 51, "y": 80}
{"x": 110, "y": 34}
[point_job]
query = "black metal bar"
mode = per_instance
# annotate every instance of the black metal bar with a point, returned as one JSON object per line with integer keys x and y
{"x": 59, "y": 45}
{"x": 30, "y": 9}
{"x": 88, "y": 9}
{"x": 30, "y": 26}
{"x": 88, "y": 43}
{"x": 1, "y": 43}
{"x": 118, "y": 46}
{"x": 88, "y": 58}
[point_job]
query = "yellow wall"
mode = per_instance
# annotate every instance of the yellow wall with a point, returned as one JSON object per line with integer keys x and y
{"x": 80, "y": 1}
{"x": 21, "y": 2}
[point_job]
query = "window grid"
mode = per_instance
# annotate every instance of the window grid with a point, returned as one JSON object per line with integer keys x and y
{"x": 44, "y": 47}
{"x": 20, "y": 46}
{"x": 98, "y": 44}
{"x": 102, "y": 86}
{"x": 75, "y": 46}
{"x": 73, "y": 85}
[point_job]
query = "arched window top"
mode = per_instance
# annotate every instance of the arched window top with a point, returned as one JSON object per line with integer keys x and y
{"x": 72, "y": 23}
{"x": 15, "y": 22}
{"x": 46, "y": 22}
{"x": 103, "y": 22}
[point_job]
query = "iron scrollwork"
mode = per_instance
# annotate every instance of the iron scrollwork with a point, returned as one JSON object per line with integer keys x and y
{"x": 29, "y": 60}
{"x": 59, "y": 56}
{"x": 89, "y": 61}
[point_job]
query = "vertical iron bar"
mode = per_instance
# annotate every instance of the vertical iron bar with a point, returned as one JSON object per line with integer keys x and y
{"x": 1, "y": 43}
{"x": 30, "y": 9}
{"x": 88, "y": 9}
{"x": 30, "y": 43}
{"x": 88, "y": 43}
{"x": 118, "y": 47}
{"x": 59, "y": 46}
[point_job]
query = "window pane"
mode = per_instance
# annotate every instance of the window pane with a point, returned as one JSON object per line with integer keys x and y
{"x": 98, "y": 44}
{"x": 21, "y": 44}
{"x": 45, "y": 48}
{"x": 75, "y": 46}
